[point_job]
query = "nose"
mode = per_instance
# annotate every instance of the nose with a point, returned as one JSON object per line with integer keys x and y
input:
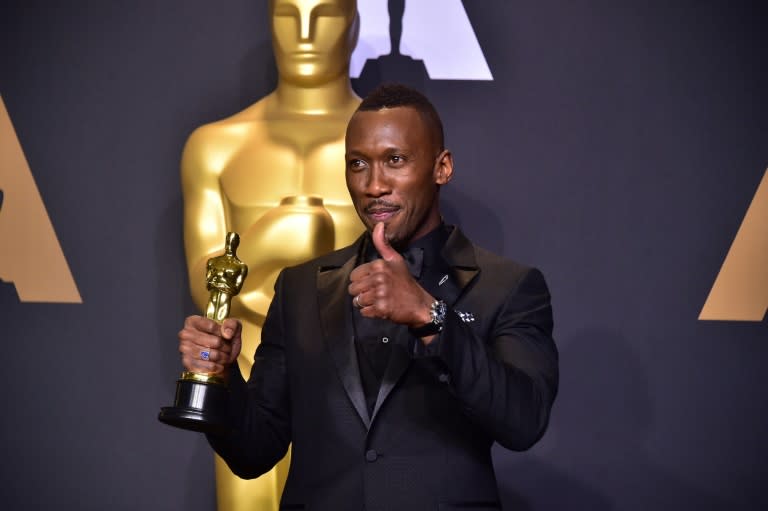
{"x": 377, "y": 183}
{"x": 306, "y": 26}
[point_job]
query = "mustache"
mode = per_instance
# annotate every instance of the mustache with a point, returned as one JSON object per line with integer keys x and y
{"x": 378, "y": 204}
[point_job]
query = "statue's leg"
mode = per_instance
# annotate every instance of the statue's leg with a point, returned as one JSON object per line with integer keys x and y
{"x": 222, "y": 309}
{"x": 212, "y": 305}
{"x": 263, "y": 493}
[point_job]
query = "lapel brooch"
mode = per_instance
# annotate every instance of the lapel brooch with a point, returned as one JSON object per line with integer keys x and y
{"x": 466, "y": 317}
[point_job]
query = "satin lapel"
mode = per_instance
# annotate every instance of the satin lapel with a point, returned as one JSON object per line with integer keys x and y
{"x": 336, "y": 317}
{"x": 399, "y": 359}
{"x": 459, "y": 253}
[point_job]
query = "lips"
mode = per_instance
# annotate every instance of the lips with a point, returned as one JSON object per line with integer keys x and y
{"x": 306, "y": 54}
{"x": 381, "y": 212}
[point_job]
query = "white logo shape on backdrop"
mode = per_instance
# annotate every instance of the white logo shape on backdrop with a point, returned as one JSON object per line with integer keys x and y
{"x": 435, "y": 31}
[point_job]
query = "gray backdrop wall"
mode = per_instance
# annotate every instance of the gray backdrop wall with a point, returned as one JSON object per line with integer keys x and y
{"x": 618, "y": 149}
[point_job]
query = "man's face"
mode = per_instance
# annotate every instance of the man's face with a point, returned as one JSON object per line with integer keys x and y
{"x": 313, "y": 39}
{"x": 393, "y": 170}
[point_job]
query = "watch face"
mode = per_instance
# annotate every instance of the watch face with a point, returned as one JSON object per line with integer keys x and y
{"x": 438, "y": 312}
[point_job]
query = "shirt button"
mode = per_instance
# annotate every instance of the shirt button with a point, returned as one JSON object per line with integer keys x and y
{"x": 371, "y": 455}
{"x": 444, "y": 378}
{"x": 385, "y": 340}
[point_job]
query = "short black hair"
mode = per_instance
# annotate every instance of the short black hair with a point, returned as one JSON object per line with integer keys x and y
{"x": 393, "y": 95}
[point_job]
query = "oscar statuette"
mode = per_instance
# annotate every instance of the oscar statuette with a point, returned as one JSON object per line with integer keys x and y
{"x": 201, "y": 399}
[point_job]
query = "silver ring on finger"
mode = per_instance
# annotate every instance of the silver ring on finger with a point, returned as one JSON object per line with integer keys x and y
{"x": 356, "y": 302}
{"x": 205, "y": 355}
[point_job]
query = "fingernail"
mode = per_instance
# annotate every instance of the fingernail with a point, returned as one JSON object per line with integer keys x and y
{"x": 228, "y": 332}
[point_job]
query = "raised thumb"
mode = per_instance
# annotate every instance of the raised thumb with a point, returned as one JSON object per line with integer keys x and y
{"x": 382, "y": 244}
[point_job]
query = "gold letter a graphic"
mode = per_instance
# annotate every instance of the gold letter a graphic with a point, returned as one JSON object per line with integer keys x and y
{"x": 740, "y": 292}
{"x": 30, "y": 254}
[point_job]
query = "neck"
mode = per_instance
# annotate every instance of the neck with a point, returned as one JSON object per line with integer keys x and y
{"x": 335, "y": 96}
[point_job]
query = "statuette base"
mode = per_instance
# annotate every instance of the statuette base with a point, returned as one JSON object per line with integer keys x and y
{"x": 197, "y": 407}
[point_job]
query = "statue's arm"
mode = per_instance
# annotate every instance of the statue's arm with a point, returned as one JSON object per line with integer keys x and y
{"x": 240, "y": 279}
{"x": 204, "y": 218}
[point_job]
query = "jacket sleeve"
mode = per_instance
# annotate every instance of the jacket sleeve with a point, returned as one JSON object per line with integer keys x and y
{"x": 259, "y": 419}
{"x": 506, "y": 381}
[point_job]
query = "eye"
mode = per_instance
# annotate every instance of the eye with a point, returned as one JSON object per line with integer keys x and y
{"x": 286, "y": 10}
{"x": 396, "y": 160}
{"x": 327, "y": 10}
{"x": 355, "y": 164}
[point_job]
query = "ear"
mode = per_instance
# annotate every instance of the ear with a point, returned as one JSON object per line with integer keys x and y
{"x": 443, "y": 167}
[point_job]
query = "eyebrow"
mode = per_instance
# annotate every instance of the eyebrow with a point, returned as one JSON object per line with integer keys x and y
{"x": 325, "y": 8}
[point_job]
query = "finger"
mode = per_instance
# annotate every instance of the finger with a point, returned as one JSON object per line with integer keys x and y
{"x": 202, "y": 324}
{"x": 200, "y": 340}
{"x": 373, "y": 310}
{"x": 231, "y": 328}
{"x": 382, "y": 244}
{"x": 207, "y": 359}
{"x": 357, "y": 288}
{"x": 359, "y": 302}
{"x": 360, "y": 272}
{"x": 221, "y": 354}
{"x": 205, "y": 354}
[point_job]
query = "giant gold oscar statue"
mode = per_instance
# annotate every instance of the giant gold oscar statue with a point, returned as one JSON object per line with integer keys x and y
{"x": 275, "y": 173}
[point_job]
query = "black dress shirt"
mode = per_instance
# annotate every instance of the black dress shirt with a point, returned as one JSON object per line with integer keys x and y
{"x": 373, "y": 336}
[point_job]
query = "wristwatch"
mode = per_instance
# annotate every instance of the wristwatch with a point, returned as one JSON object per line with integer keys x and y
{"x": 437, "y": 312}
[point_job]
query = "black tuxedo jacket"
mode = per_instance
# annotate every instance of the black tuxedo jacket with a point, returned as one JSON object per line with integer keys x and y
{"x": 491, "y": 375}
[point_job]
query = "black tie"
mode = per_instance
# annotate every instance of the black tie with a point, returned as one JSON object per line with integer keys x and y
{"x": 414, "y": 257}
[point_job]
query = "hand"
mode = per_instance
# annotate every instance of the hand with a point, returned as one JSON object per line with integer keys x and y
{"x": 385, "y": 288}
{"x": 222, "y": 342}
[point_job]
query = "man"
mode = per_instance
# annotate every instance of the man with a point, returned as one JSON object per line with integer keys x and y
{"x": 395, "y": 363}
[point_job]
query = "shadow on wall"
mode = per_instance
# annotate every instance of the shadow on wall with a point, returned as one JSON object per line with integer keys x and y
{"x": 464, "y": 211}
{"x": 595, "y": 457}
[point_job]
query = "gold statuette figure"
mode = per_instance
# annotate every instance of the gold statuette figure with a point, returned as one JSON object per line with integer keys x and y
{"x": 275, "y": 173}
{"x": 224, "y": 275}
{"x": 201, "y": 400}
